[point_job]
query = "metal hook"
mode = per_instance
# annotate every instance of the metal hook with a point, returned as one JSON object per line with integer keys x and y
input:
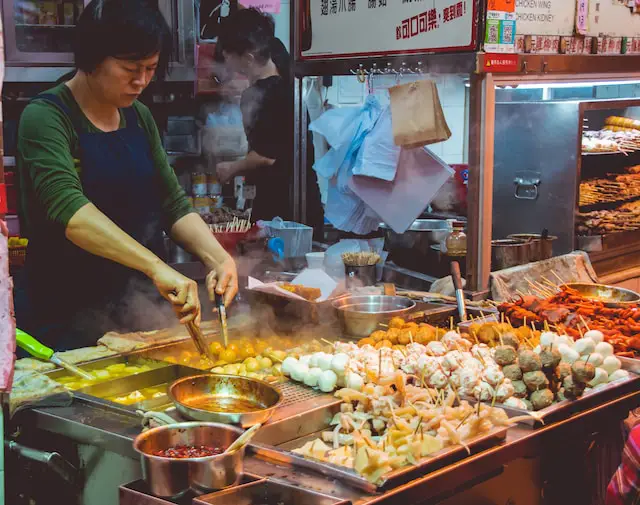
{"x": 362, "y": 74}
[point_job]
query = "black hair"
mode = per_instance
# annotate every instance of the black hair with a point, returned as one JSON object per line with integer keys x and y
{"x": 125, "y": 29}
{"x": 252, "y": 31}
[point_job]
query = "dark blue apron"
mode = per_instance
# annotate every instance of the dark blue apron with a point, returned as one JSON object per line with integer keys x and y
{"x": 71, "y": 297}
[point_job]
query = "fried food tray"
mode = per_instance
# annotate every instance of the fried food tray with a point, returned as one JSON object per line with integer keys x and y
{"x": 270, "y": 444}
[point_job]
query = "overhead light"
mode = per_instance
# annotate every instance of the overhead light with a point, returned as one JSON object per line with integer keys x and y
{"x": 576, "y": 84}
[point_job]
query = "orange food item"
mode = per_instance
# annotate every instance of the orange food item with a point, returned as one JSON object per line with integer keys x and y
{"x": 310, "y": 294}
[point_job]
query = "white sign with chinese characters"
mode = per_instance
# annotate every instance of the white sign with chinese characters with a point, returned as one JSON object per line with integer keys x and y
{"x": 545, "y": 17}
{"x": 612, "y": 19}
{"x": 341, "y": 28}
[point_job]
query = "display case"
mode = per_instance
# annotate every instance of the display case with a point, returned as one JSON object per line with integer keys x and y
{"x": 547, "y": 177}
{"x": 38, "y": 33}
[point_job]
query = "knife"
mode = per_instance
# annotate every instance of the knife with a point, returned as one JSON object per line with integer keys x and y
{"x": 457, "y": 284}
{"x": 41, "y": 351}
{"x": 222, "y": 317}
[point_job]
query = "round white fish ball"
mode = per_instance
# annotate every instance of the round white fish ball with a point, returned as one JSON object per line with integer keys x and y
{"x": 594, "y": 358}
{"x": 327, "y": 381}
{"x": 306, "y": 359}
{"x": 299, "y": 372}
{"x": 324, "y": 361}
{"x": 618, "y": 375}
{"x": 516, "y": 403}
{"x": 288, "y": 364}
{"x": 339, "y": 362}
{"x": 537, "y": 349}
{"x": 312, "y": 377}
{"x": 354, "y": 381}
{"x": 564, "y": 339}
{"x": 547, "y": 338}
{"x": 584, "y": 346}
{"x": 601, "y": 376}
{"x": 568, "y": 354}
{"x": 605, "y": 349}
{"x": 313, "y": 362}
{"x": 596, "y": 335}
{"x": 611, "y": 364}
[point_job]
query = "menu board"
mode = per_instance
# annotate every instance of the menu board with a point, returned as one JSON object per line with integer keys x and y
{"x": 345, "y": 28}
{"x": 545, "y": 17}
{"x": 611, "y": 18}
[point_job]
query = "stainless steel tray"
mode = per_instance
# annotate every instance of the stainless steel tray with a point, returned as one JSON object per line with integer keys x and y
{"x": 121, "y": 387}
{"x": 566, "y": 408}
{"x": 630, "y": 364}
{"x": 270, "y": 444}
{"x": 268, "y": 492}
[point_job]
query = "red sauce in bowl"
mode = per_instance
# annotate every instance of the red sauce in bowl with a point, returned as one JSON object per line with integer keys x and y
{"x": 188, "y": 451}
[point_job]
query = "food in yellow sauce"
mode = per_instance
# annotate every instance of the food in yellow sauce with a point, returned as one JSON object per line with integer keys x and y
{"x": 140, "y": 395}
{"x": 110, "y": 372}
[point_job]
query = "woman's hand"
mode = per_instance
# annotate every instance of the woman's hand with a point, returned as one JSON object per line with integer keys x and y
{"x": 181, "y": 291}
{"x": 225, "y": 171}
{"x": 223, "y": 279}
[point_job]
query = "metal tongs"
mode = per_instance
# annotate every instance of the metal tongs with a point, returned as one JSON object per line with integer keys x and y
{"x": 457, "y": 284}
{"x": 198, "y": 339}
{"x": 222, "y": 317}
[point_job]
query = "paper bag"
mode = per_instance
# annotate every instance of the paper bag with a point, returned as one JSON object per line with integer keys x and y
{"x": 416, "y": 115}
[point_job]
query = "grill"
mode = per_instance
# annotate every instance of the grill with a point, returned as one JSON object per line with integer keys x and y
{"x": 293, "y": 393}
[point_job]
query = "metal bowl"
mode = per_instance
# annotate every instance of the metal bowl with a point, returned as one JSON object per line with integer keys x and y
{"x": 229, "y": 399}
{"x": 169, "y": 477}
{"x": 609, "y": 295}
{"x": 359, "y": 316}
{"x": 540, "y": 249}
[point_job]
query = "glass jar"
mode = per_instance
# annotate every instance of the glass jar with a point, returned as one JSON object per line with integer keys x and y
{"x": 456, "y": 242}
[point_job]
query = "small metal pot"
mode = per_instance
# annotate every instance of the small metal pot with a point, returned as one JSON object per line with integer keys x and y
{"x": 358, "y": 276}
{"x": 507, "y": 253}
{"x": 359, "y": 316}
{"x": 169, "y": 477}
{"x": 540, "y": 249}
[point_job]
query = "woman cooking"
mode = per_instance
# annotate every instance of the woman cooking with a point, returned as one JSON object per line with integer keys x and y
{"x": 247, "y": 45}
{"x": 97, "y": 191}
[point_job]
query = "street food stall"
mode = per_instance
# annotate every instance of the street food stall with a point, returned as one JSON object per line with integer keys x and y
{"x": 512, "y": 391}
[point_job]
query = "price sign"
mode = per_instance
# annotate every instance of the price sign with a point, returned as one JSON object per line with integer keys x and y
{"x": 343, "y": 28}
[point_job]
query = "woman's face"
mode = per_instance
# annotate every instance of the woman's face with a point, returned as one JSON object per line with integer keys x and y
{"x": 120, "y": 81}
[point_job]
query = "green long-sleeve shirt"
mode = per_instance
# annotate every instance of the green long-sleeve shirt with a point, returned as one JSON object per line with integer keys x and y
{"x": 49, "y": 167}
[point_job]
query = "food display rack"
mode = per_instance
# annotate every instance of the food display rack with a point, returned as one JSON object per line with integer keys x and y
{"x": 109, "y": 429}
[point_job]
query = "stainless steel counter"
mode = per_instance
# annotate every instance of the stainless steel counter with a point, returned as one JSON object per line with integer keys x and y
{"x": 111, "y": 432}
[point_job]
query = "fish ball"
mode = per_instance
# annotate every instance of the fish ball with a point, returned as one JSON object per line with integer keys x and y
{"x": 611, "y": 364}
{"x": 618, "y": 375}
{"x": 299, "y": 372}
{"x": 594, "y": 358}
{"x": 564, "y": 339}
{"x": 324, "y": 361}
{"x": 313, "y": 376}
{"x": 584, "y": 346}
{"x": 288, "y": 364}
{"x": 596, "y": 335}
{"x": 547, "y": 338}
{"x": 605, "y": 349}
{"x": 601, "y": 376}
{"x": 569, "y": 355}
{"x": 327, "y": 381}
{"x": 339, "y": 363}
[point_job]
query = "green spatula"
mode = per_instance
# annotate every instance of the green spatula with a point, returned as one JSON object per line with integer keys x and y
{"x": 41, "y": 351}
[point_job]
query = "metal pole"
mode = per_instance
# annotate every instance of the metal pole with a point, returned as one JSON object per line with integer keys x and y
{"x": 480, "y": 200}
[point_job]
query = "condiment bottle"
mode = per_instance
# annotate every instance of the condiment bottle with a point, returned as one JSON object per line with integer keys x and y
{"x": 456, "y": 242}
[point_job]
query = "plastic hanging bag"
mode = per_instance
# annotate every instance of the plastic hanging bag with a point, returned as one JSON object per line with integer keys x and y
{"x": 379, "y": 155}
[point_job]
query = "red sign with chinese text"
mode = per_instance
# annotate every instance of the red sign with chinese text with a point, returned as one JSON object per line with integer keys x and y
{"x": 506, "y": 63}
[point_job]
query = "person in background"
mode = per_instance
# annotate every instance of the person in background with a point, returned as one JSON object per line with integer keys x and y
{"x": 624, "y": 488}
{"x": 248, "y": 46}
{"x": 97, "y": 191}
